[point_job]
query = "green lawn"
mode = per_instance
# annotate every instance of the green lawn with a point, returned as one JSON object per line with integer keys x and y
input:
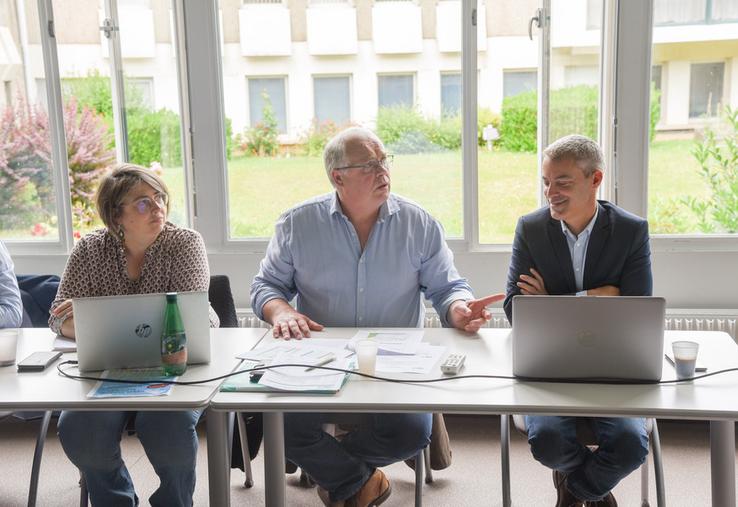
{"x": 260, "y": 189}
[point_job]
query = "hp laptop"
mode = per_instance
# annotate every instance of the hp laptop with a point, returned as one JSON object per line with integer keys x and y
{"x": 125, "y": 331}
{"x": 606, "y": 338}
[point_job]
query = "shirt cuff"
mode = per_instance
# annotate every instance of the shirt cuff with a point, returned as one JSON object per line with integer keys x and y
{"x": 581, "y": 293}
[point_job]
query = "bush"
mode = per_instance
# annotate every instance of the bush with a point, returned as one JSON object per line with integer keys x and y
{"x": 25, "y": 158}
{"x": 572, "y": 110}
{"x": 317, "y": 137}
{"x": 486, "y": 117}
{"x": 261, "y": 139}
{"x": 405, "y": 130}
{"x": 89, "y": 157}
{"x": 26, "y": 190}
{"x": 154, "y": 136}
{"x": 394, "y": 122}
{"x": 718, "y": 159}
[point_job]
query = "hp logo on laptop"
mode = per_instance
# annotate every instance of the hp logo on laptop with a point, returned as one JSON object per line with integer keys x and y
{"x": 586, "y": 338}
{"x": 143, "y": 330}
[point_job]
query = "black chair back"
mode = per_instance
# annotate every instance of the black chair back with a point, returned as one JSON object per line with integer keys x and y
{"x": 221, "y": 299}
{"x": 37, "y": 293}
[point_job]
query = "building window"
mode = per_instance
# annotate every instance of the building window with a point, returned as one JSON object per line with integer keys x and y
{"x": 332, "y": 99}
{"x": 519, "y": 81}
{"x": 265, "y": 93}
{"x": 705, "y": 89}
{"x": 396, "y": 90}
{"x": 450, "y": 94}
{"x": 143, "y": 88}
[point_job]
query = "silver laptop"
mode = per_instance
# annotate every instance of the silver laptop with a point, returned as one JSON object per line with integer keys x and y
{"x": 125, "y": 331}
{"x": 558, "y": 337}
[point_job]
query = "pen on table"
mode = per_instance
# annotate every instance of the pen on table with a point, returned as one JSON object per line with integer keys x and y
{"x": 328, "y": 358}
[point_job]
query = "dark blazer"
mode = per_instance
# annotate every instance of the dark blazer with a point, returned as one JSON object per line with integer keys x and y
{"x": 618, "y": 254}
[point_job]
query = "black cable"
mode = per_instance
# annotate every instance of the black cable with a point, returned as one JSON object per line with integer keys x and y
{"x": 393, "y": 380}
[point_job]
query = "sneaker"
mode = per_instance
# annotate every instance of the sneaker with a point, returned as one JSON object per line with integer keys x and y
{"x": 374, "y": 491}
{"x": 564, "y": 497}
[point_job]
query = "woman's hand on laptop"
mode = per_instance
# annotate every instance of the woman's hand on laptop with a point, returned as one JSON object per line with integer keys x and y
{"x": 63, "y": 310}
{"x": 605, "y": 290}
{"x": 532, "y": 285}
{"x": 470, "y": 315}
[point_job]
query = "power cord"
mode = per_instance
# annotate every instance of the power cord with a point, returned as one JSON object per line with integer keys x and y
{"x": 64, "y": 373}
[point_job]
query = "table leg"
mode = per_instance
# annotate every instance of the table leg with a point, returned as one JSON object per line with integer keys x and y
{"x": 722, "y": 463}
{"x": 274, "y": 490}
{"x": 219, "y": 470}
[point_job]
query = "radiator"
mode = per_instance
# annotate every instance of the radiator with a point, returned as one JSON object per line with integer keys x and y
{"x": 676, "y": 320}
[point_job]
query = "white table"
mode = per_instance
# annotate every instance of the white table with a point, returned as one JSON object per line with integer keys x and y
{"x": 48, "y": 390}
{"x": 714, "y": 399}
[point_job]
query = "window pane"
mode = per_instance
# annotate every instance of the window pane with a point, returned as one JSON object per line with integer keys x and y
{"x": 724, "y": 10}
{"x": 267, "y": 101}
{"x": 689, "y": 190}
{"x": 151, "y": 99}
{"x": 332, "y": 100}
{"x": 27, "y": 194}
{"x": 450, "y": 94}
{"x": 515, "y": 82}
{"x": 667, "y": 12}
{"x": 705, "y": 89}
{"x": 326, "y": 64}
{"x": 396, "y": 91}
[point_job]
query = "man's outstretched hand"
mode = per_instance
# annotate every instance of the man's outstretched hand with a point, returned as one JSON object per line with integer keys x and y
{"x": 470, "y": 315}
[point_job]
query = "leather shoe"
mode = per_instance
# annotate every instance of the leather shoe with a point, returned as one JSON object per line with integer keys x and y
{"x": 326, "y": 498}
{"x": 607, "y": 501}
{"x": 374, "y": 491}
{"x": 564, "y": 497}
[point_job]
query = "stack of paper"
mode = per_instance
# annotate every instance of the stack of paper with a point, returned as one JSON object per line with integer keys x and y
{"x": 297, "y": 378}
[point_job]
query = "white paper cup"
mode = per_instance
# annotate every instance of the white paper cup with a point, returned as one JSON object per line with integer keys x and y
{"x": 8, "y": 346}
{"x": 366, "y": 353}
{"x": 685, "y": 358}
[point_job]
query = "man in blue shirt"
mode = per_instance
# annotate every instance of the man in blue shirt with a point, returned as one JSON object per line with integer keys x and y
{"x": 359, "y": 257}
{"x": 11, "y": 308}
{"x": 578, "y": 245}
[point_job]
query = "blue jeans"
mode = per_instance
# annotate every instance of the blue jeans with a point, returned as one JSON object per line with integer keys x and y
{"x": 91, "y": 441}
{"x": 343, "y": 467}
{"x": 622, "y": 448}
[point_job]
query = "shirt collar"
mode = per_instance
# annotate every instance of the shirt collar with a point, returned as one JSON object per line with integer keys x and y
{"x": 587, "y": 229}
{"x": 388, "y": 208}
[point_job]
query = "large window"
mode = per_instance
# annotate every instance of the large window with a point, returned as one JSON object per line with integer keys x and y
{"x": 339, "y": 69}
{"x": 691, "y": 168}
{"x": 332, "y": 98}
{"x": 28, "y": 209}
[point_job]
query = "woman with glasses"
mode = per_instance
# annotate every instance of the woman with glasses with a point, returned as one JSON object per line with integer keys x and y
{"x": 137, "y": 252}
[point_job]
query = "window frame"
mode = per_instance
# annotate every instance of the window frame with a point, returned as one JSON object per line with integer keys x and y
{"x": 204, "y": 135}
{"x": 285, "y": 88}
{"x": 413, "y": 75}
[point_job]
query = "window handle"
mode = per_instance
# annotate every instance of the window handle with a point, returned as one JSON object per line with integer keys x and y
{"x": 535, "y": 19}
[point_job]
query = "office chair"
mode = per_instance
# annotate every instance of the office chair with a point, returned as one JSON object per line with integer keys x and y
{"x": 584, "y": 433}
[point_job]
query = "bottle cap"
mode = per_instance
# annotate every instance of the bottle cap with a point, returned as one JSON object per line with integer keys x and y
{"x": 171, "y": 297}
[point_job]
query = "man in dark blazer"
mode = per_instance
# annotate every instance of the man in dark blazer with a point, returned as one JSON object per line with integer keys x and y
{"x": 580, "y": 246}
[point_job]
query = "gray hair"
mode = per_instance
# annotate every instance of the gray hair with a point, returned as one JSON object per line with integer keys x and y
{"x": 585, "y": 153}
{"x": 334, "y": 154}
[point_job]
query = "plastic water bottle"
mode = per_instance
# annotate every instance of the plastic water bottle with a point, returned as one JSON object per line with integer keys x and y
{"x": 173, "y": 339}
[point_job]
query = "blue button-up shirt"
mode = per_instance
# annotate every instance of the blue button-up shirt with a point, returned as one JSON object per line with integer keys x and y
{"x": 315, "y": 255}
{"x": 11, "y": 308}
{"x": 578, "y": 250}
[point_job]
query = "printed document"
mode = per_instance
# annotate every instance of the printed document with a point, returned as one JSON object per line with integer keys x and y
{"x": 391, "y": 341}
{"x": 422, "y": 362}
